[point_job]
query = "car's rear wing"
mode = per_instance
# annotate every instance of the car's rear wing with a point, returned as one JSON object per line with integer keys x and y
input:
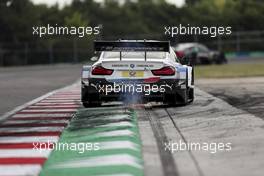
{"x": 130, "y": 46}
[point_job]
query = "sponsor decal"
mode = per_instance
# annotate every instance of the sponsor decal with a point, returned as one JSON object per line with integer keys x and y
{"x": 181, "y": 69}
{"x": 132, "y": 65}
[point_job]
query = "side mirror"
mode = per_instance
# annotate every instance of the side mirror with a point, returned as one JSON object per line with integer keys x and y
{"x": 94, "y": 58}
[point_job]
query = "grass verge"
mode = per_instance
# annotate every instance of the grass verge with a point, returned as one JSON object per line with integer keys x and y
{"x": 229, "y": 70}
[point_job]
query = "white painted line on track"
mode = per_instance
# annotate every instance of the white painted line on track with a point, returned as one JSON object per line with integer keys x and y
{"x": 119, "y": 145}
{"x": 24, "y": 153}
{"x": 99, "y": 161}
{"x": 58, "y": 101}
{"x": 31, "y": 129}
{"x": 48, "y": 110}
{"x": 66, "y": 98}
{"x": 115, "y": 133}
{"x": 28, "y": 139}
{"x": 51, "y": 104}
{"x": 18, "y": 170}
{"x": 54, "y": 107}
{"x": 9, "y": 121}
{"x": 43, "y": 115}
{"x": 118, "y": 124}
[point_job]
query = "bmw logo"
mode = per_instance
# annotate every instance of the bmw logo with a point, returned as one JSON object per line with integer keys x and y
{"x": 132, "y": 65}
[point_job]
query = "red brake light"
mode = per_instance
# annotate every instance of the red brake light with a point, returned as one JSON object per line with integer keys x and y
{"x": 165, "y": 71}
{"x": 99, "y": 70}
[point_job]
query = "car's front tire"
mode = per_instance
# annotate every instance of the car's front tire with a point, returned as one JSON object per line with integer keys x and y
{"x": 191, "y": 89}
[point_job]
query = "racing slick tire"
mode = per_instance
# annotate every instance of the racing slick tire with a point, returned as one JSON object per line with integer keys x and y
{"x": 91, "y": 104}
{"x": 191, "y": 89}
{"x": 184, "y": 96}
{"x": 90, "y": 100}
{"x": 191, "y": 95}
{"x": 177, "y": 99}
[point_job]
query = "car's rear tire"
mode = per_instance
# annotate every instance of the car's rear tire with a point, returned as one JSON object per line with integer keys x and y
{"x": 171, "y": 100}
{"x": 90, "y": 104}
{"x": 181, "y": 97}
{"x": 191, "y": 95}
{"x": 177, "y": 99}
{"x": 86, "y": 104}
{"x": 184, "y": 98}
{"x": 90, "y": 99}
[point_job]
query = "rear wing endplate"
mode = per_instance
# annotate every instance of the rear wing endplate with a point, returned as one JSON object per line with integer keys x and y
{"x": 122, "y": 46}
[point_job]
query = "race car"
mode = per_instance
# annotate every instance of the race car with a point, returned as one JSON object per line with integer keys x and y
{"x": 126, "y": 69}
{"x": 199, "y": 54}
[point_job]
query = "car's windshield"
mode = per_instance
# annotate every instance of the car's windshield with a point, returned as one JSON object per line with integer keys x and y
{"x": 183, "y": 46}
{"x": 139, "y": 55}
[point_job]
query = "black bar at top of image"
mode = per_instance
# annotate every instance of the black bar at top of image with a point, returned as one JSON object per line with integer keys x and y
{"x": 162, "y": 46}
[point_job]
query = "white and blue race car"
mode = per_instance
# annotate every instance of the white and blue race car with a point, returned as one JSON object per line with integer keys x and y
{"x": 136, "y": 68}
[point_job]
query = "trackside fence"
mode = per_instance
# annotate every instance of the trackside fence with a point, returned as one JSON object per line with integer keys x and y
{"x": 74, "y": 50}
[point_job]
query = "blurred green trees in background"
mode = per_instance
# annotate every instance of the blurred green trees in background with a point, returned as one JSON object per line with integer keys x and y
{"x": 131, "y": 19}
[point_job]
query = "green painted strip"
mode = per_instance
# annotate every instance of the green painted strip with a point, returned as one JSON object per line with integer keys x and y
{"x": 234, "y": 55}
{"x": 113, "y": 130}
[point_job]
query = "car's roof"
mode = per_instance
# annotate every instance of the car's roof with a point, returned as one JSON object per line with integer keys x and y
{"x": 182, "y": 46}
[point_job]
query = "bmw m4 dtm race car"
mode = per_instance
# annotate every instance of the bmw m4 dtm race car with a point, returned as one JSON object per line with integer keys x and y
{"x": 126, "y": 69}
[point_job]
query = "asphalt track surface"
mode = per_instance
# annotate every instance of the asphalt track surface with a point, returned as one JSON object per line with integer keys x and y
{"x": 22, "y": 84}
{"x": 244, "y": 93}
{"x": 208, "y": 120}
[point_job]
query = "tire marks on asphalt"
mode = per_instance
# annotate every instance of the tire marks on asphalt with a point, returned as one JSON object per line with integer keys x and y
{"x": 165, "y": 129}
{"x": 168, "y": 164}
{"x": 184, "y": 139}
